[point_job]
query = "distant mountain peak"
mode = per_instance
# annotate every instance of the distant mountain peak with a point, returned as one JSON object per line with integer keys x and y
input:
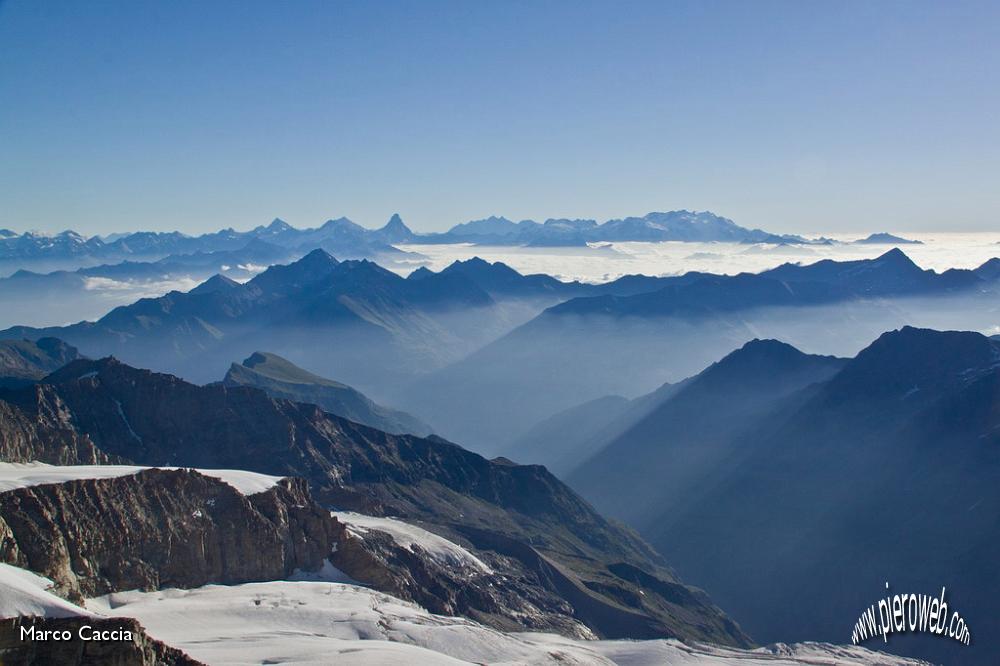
{"x": 82, "y": 368}
{"x": 394, "y": 231}
{"x": 990, "y": 270}
{"x": 420, "y": 273}
{"x": 895, "y": 254}
{"x": 340, "y": 222}
{"x": 216, "y": 283}
{"x": 767, "y": 355}
{"x": 277, "y": 224}
{"x": 481, "y": 267}
{"x": 471, "y": 262}
{"x": 768, "y": 346}
{"x": 314, "y": 266}
{"x": 277, "y": 367}
{"x": 317, "y": 256}
{"x": 917, "y": 358}
{"x": 882, "y": 238}
{"x": 280, "y": 378}
{"x": 897, "y": 259}
{"x": 488, "y": 226}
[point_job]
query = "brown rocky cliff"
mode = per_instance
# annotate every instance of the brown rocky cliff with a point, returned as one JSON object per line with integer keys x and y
{"x": 162, "y": 528}
{"x": 36, "y": 425}
{"x": 140, "y": 651}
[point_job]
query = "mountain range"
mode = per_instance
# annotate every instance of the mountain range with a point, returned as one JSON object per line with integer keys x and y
{"x": 71, "y": 250}
{"x": 346, "y": 239}
{"x": 594, "y": 345}
{"x": 678, "y": 225}
{"x": 483, "y": 353}
{"x": 350, "y": 319}
{"x": 547, "y": 561}
{"x": 775, "y": 474}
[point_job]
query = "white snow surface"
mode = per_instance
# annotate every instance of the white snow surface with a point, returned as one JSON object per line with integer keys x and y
{"x": 438, "y": 548}
{"x": 323, "y": 623}
{"x": 25, "y": 593}
{"x": 311, "y": 623}
{"x": 23, "y": 475}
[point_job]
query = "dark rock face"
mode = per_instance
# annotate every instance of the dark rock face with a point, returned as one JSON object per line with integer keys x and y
{"x": 161, "y": 528}
{"x": 36, "y": 425}
{"x": 141, "y": 650}
{"x": 153, "y": 419}
{"x": 507, "y": 598}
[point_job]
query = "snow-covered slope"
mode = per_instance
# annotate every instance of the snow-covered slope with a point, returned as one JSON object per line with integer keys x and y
{"x": 23, "y": 475}
{"x": 322, "y": 623}
{"x": 26, "y": 593}
{"x": 409, "y": 536}
{"x": 306, "y": 623}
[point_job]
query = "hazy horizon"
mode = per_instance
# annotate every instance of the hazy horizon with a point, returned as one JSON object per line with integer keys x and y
{"x": 374, "y": 224}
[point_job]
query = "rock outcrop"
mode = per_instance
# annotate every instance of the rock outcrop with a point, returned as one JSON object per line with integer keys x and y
{"x": 35, "y": 425}
{"x": 506, "y": 597}
{"x": 161, "y": 528}
{"x": 137, "y": 650}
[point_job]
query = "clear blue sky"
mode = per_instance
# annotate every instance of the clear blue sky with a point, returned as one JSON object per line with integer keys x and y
{"x": 791, "y": 116}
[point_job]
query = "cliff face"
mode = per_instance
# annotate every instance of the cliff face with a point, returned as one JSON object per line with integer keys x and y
{"x": 36, "y": 425}
{"x": 161, "y": 528}
{"x": 505, "y": 596}
{"x": 139, "y": 650}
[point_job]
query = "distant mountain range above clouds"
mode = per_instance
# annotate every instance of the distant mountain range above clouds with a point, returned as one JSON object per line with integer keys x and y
{"x": 346, "y": 239}
{"x": 408, "y": 324}
{"x": 598, "y": 344}
{"x": 70, "y": 249}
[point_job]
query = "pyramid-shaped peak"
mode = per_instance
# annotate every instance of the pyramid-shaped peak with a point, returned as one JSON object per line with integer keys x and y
{"x": 319, "y": 256}
{"x": 896, "y": 256}
{"x": 216, "y": 283}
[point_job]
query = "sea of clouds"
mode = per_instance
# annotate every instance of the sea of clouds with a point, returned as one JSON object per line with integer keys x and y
{"x": 607, "y": 261}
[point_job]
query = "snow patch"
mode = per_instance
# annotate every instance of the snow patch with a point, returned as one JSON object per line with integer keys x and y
{"x": 23, "y": 475}
{"x": 25, "y": 593}
{"x": 121, "y": 413}
{"x": 408, "y": 536}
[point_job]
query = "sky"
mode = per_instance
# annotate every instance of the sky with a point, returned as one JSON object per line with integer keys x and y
{"x": 789, "y": 116}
